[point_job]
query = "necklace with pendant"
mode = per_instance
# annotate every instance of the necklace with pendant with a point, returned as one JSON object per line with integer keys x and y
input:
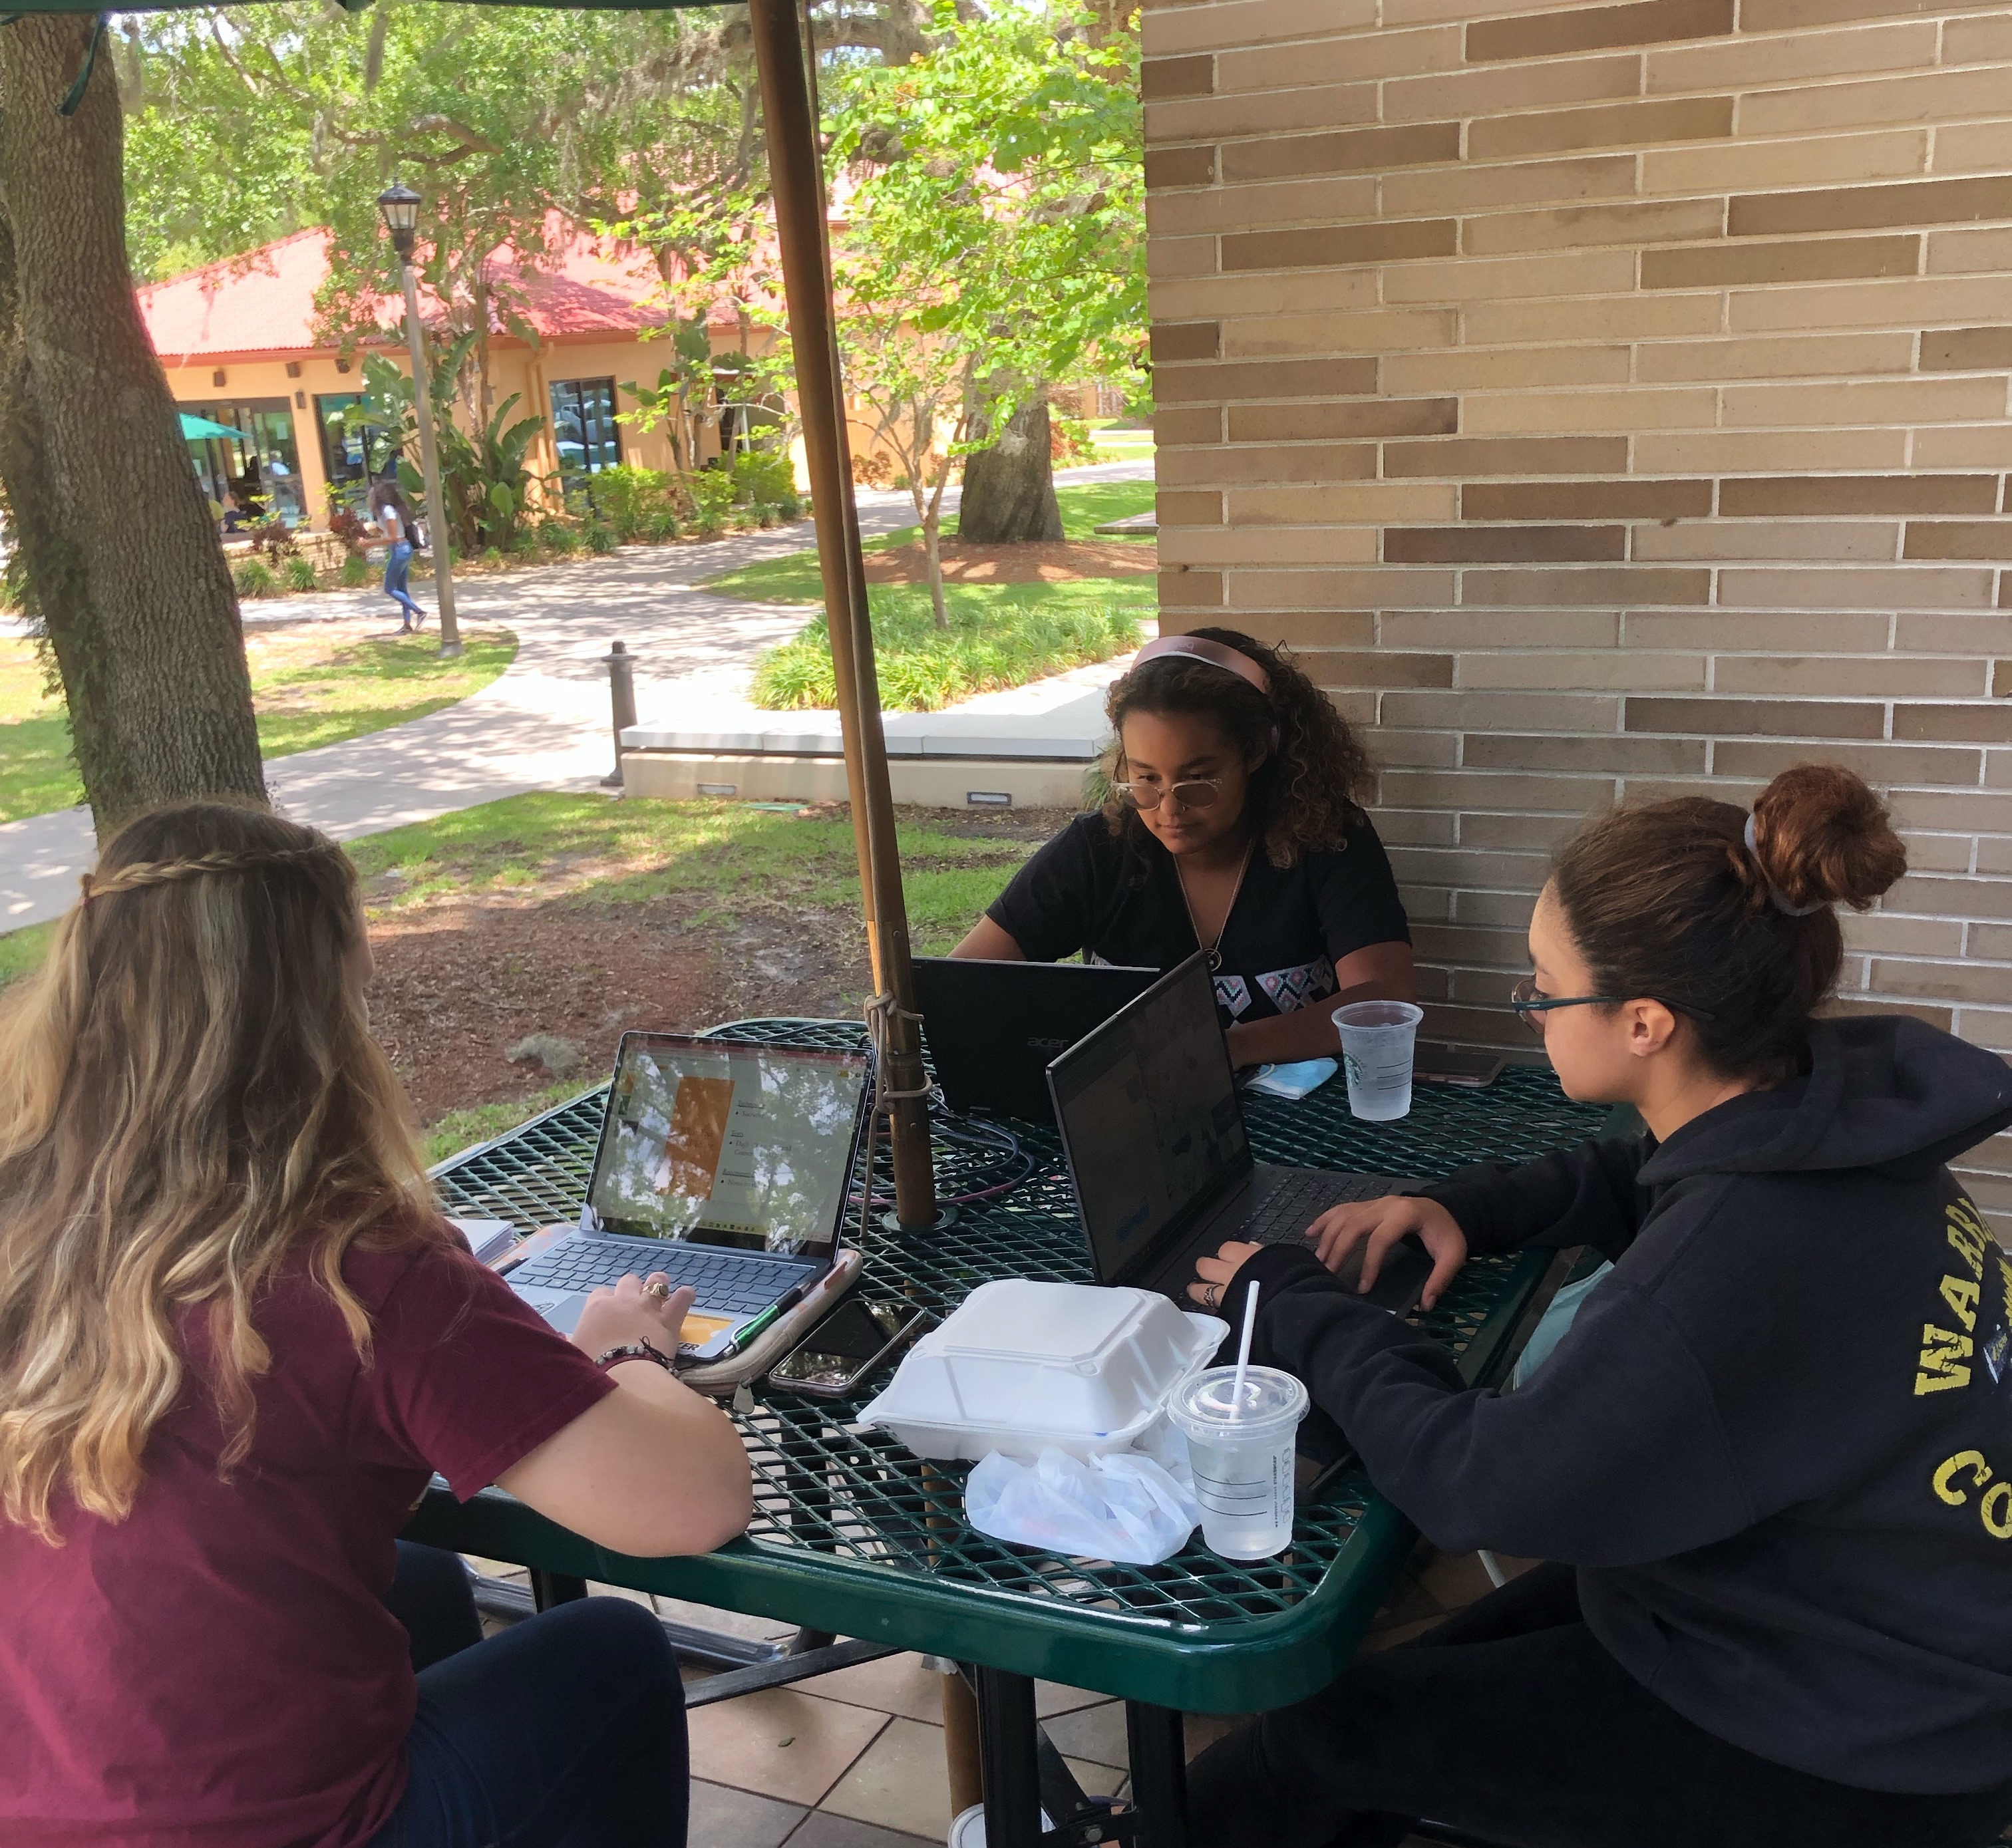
{"x": 1212, "y": 950}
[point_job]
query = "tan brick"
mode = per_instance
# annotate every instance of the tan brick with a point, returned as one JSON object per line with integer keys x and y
{"x": 1489, "y": 92}
{"x": 1435, "y": 709}
{"x": 1837, "y": 355}
{"x": 1232, "y": 208}
{"x": 1878, "y": 764}
{"x": 1918, "y": 301}
{"x": 1428, "y": 191}
{"x": 1425, "y": 751}
{"x": 1902, "y": 937}
{"x": 1339, "y": 590}
{"x": 1538, "y": 833}
{"x": 1951, "y": 897}
{"x": 1870, "y": 208}
{"x": 1179, "y": 167}
{"x": 1291, "y": 462}
{"x": 1538, "y": 410}
{"x": 1586, "y": 499}
{"x": 1859, "y": 493}
{"x": 1228, "y": 118}
{"x": 1162, "y": 77}
{"x": 1356, "y": 151}
{"x": 1847, "y": 631}
{"x": 1738, "y": 451}
{"x": 1414, "y": 827}
{"x": 1897, "y": 402}
{"x": 1173, "y": 427}
{"x": 1959, "y": 539}
{"x": 1337, "y": 245}
{"x": 1592, "y": 272}
{"x": 1508, "y": 455}
{"x": 1173, "y": 340}
{"x": 1880, "y": 676}
{"x": 1561, "y": 795}
{"x": 1953, "y": 981}
{"x": 1969, "y": 147}
{"x": 1964, "y": 253}
{"x": 1409, "y": 12}
{"x": 1623, "y": 757}
{"x": 1939, "y": 853}
{"x": 1592, "y": 29}
{"x": 1217, "y": 546}
{"x": 1633, "y": 587}
{"x": 1962, "y": 813}
{"x": 1623, "y": 670}
{"x": 1469, "y": 545}
{"x": 1322, "y": 506}
{"x": 1620, "y": 125}
{"x": 1405, "y": 330}
{"x": 1190, "y": 590}
{"x": 1187, "y": 509}
{"x": 1980, "y": 724}
{"x": 1375, "y": 668}
{"x": 1347, "y": 59}
{"x": 1518, "y": 368}
{"x": 1940, "y": 97}
{"x": 1963, "y": 446}
{"x": 1312, "y": 291}
{"x": 1473, "y": 628}
{"x": 1274, "y": 378}
{"x": 1180, "y": 256}
{"x": 1748, "y": 63}
{"x": 1766, "y": 718}
{"x": 1315, "y": 629}
{"x": 1346, "y": 417}
{"x": 1966, "y": 349}
{"x": 1867, "y": 588}
{"x": 1832, "y": 160}
{"x": 1439, "y": 868}
{"x": 1836, "y": 541}
{"x": 1952, "y": 634}
{"x": 1580, "y": 227}
{"x": 1987, "y": 40}
{"x": 1625, "y": 317}
{"x": 2001, "y": 671}
{"x": 1170, "y": 31}
{"x": 1784, "y": 16}
{"x": 1733, "y": 265}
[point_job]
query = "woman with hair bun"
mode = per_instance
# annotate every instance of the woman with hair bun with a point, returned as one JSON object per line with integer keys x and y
{"x": 1768, "y": 1468}
{"x": 1234, "y": 826}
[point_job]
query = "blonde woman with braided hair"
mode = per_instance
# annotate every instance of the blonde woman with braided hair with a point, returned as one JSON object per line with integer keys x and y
{"x": 237, "y": 1339}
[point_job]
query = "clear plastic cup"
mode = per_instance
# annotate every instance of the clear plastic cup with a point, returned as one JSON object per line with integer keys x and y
{"x": 1378, "y": 1041}
{"x": 1242, "y": 1463}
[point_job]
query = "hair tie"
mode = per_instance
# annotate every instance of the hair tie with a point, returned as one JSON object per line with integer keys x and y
{"x": 1774, "y": 892}
{"x": 1216, "y": 654}
{"x": 83, "y": 885}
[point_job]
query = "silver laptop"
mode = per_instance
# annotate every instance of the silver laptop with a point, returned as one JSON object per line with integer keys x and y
{"x": 1162, "y": 1165}
{"x": 724, "y": 1166}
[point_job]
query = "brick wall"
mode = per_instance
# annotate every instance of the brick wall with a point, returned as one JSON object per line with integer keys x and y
{"x": 1608, "y": 401}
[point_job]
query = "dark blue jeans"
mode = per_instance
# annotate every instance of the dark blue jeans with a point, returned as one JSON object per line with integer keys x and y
{"x": 396, "y": 567}
{"x": 567, "y": 1731}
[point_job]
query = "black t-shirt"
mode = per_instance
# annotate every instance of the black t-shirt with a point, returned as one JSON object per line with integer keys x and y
{"x": 1119, "y": 900}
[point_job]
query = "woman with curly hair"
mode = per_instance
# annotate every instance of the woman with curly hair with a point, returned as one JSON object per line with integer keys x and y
{"x": 1234, "y": 825}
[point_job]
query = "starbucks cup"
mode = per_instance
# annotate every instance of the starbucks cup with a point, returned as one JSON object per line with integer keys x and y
{"x": 1241, "y": 1453}
{"x": 1377, "y": 1038}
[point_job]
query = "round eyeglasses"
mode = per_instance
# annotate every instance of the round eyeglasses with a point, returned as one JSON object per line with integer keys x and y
{"x": 1201, "y": 792}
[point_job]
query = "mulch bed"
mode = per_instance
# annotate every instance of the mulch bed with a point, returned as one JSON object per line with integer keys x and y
{"x": 1050, "y": 562}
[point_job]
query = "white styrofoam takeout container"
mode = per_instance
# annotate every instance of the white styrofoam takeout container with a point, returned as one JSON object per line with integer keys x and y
{"x": 1021, "y": 1366}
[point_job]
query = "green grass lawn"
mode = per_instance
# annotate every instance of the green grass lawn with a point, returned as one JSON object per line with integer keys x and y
{"x": 310, "y": 689}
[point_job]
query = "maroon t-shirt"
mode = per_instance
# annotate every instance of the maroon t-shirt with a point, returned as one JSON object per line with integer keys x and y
{"x": 219, "y": 1669}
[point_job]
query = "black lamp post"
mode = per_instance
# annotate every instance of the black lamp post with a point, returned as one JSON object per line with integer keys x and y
{"x": 399, "y": 206}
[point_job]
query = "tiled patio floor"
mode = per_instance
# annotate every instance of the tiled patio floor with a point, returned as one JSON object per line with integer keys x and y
{"x": 854, "y": 1759}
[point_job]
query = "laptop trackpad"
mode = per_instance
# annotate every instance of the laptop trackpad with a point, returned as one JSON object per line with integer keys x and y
{"x": 560, "y": 1307}
{"x": 1400, "y": 1278}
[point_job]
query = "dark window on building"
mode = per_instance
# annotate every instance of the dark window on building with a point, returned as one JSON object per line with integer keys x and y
{"x": 260, "y": 468}
{"x": 583, "y": 428}
{"x": 346, "y": 453}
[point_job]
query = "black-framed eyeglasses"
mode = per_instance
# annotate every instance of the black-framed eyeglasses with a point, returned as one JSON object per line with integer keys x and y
{"x": 1530, "y": 1003}
{"x": 1200, "y": 792}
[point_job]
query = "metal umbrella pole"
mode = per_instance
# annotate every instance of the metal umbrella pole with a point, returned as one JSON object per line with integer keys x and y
{"x": 796, "y": 177}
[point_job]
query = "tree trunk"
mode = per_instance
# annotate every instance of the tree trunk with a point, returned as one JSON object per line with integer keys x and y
{"x": 1009, "y": 489}
{"x": 123, "y": 565}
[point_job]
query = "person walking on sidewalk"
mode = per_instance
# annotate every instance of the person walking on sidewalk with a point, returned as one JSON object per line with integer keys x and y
{"x": 388, "y": 508}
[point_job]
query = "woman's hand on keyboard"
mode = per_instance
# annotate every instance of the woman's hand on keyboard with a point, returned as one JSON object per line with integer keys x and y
{"x": 617, "y": 1315}
{"x": 1377, "y": 1224}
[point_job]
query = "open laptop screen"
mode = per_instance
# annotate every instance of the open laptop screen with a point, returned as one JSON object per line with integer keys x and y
{"x": 1147, "y": 1106}
{"x": 747, "y": 1145}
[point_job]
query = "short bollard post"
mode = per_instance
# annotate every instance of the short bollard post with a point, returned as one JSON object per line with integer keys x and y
{"x": 622, "y": 696}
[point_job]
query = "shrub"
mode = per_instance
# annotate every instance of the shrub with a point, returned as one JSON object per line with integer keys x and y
{"x": 491, "y": 558}
{"x": 252, "y": 579}
{"x": 764, "y": 476}
{"x": 876, "y": 470}
{"x": 1070, "y": 441}
{"x": 300, "y": 574}
{"x": 344, "y": 524}
{"x": 556, "y": 537}
{"x": 712, "y": 492}
{"x": 628, "y": 498}
{"x": 663, "y": 526}
{"x": 524, "y": 543}
{"x": 600, "y": 540}
{"x": 356, "y": 571}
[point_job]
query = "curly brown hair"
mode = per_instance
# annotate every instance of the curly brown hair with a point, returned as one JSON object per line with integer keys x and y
{"x": 1313, "y": 774}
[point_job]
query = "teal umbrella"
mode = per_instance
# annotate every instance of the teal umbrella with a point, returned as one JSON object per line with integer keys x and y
{"x": 195, "y": 429}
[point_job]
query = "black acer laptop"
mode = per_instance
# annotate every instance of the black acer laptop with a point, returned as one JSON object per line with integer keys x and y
{"x": 993, "y": 1027}
{"x": 1162, "y": 1168}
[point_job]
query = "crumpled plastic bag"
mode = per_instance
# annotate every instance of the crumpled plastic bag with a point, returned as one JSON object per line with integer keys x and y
{"x": 1124, "y": 1506}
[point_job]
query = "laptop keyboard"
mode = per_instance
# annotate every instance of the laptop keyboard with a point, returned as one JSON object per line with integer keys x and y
{"x": 1291, "y": 1205}
{"x": 726, "y": 1280}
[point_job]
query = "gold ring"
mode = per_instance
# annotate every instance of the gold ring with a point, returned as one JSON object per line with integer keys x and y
{"x": 660, "y": 1290}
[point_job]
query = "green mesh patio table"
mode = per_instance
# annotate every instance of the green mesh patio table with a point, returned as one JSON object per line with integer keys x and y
{"x": 855, "y": 1537}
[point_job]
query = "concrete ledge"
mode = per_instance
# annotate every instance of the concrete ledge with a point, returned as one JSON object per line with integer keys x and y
{"x": 927, "y": 782}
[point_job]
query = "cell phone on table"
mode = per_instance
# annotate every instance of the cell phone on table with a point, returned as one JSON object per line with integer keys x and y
{"x": 857, "y": 1336}
{"x": 1433, "y": 1064}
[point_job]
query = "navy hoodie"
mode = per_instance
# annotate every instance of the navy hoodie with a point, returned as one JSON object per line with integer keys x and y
{"x": 1777, "y": 1441}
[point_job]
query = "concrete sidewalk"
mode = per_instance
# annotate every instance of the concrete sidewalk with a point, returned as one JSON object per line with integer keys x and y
{"x": 544, "y": 724}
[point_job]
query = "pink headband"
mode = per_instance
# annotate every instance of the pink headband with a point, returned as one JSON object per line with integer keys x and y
{"x": 1216, "y": 654}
